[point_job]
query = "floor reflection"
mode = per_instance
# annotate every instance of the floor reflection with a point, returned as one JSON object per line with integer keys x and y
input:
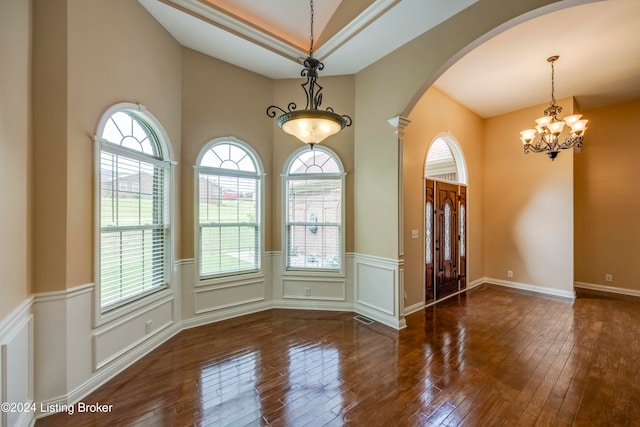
{"x": 314, "y": 377}
{"x": 228, "y": 392}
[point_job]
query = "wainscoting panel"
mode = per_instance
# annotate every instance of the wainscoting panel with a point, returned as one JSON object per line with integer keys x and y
{"x": 16, "y": 364}
{"x": 218, "y": 297}
{"x": 379, "y": 290}
{"x": 314, "y": 288}
{"x": 115, "y": 339}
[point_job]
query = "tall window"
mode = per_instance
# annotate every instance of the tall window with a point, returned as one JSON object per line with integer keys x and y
{"x": 134, "y": 220}
{"x": 314, "y": 182}
{"x": 228, "y": 195}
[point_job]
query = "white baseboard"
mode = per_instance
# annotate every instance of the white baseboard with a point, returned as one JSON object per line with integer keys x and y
{"x": 378, "y": 316}
{"x": 224, "y": 314}
{"x": 109, "y": 372}
{"x": 531, "y": 288}
{"x": 301, "y": 304}
{"x": 413, "y": 308}
{"x": 610, "y": 289}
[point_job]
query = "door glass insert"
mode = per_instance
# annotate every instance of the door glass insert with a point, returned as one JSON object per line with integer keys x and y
{"x": 428, "y": 235}
{"x": 447, "y": 232}
{"x": 462, "y": 231}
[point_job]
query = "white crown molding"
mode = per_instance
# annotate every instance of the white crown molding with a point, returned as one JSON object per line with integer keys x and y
{"x": 238, "y": 27}
{"x": 370, "y": 14}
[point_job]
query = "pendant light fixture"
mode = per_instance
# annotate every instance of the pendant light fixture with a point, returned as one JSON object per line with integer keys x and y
{"x": 550, "y": 127}
{"x": 310, "y": 125}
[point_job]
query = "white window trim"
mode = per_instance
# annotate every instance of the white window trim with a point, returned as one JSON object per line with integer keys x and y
{"x": 144, "y": 300}
{"x": 312, "y": 272}
{"x": 260, "y": 174}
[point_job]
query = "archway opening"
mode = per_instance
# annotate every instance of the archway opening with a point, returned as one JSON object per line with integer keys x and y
{"x": 445, "y": 221}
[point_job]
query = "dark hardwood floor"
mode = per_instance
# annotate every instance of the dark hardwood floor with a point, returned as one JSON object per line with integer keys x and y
{"x": 491, "y": 357}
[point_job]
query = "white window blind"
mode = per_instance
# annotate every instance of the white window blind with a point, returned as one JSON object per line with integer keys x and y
{"x": 228, "y": 210}
{"x": 134, "y": 212}
{"x": 314, "y": 185}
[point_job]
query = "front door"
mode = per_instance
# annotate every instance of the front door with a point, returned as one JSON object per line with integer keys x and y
{"x": 446, "y": 239}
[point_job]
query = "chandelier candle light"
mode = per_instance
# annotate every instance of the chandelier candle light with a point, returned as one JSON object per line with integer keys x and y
{"x": 550, "y": 127}
{"x": 310, "y": 125}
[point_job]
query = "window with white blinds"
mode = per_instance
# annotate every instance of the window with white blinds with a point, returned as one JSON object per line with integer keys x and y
{"x": 134, "y": 219}
{"x": 228, "y": 209}
{"x": 314, "y": 182}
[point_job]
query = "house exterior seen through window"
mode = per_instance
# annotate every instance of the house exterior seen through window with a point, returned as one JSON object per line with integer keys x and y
{"x": 134, "y": 219}
{"x": 228, "y": 198}
{"x": 313, "y": 189}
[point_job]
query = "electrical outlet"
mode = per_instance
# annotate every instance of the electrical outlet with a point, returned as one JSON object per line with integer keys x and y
{"x": 414, "y": 234}
{"x": 307, "y": 292}
{"x": 148, "y": 325}
{"x": 509, "y": 273}
{"x": 608, "y": 277}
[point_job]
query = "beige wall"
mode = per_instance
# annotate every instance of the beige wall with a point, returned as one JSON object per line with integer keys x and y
{"x": 434, "y": 114}
{"x": 221, "y": 100}
{"x": 528, "y": 206}
{"x": 49, "y": 144}
{"x": 390, "y": 87}
{"x": 607, "y": 208}
{"x": 83, "y": 64}
{"x": 339, "y": 94}
{"x": 15, "y": 111}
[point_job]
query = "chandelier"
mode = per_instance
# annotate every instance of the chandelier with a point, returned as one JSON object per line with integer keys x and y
{"x": 310, "y": 125}
{"x": 549, "y": 128}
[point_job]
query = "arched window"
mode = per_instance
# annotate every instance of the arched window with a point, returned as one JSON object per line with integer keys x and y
{"x": 228, "y": 194}
{"x": 445, "y": 161}
{"x": 314, "y": 195}
{"x": 133, "y": 244}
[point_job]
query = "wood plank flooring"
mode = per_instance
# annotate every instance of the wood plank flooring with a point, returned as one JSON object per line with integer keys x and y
{"x": 493, "y": 356}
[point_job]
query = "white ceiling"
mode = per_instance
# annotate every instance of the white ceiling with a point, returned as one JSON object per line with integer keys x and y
{"x": 598, "y": 44}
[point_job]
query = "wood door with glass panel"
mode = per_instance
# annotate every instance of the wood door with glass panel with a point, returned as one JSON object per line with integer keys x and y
{"x": 446, "y": 239}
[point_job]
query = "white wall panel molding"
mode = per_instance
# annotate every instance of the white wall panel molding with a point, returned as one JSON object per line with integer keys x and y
{"x": 379, "y": 289}
{"x": 115, "y": 339}
{"x": 63, "y": 295}
{"x": 225, "y": 313}
{"x": 16, "y": 364}
{"x": 230, "y": 294}
{"x": 99, "y": 378}
{"x": 314, "y": 288}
